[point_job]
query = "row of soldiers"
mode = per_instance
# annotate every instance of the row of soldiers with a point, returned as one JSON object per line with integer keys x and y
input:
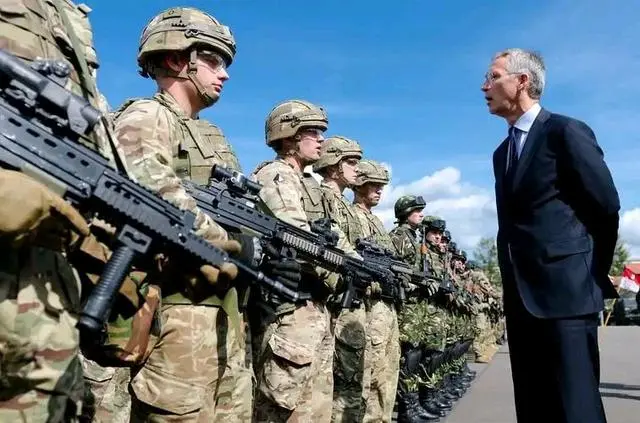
{"x": 459, "y": 310}
{"x": 185, "y": 346}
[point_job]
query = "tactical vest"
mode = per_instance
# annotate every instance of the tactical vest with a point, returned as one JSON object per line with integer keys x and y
{"x": 202, "y": 145}
{"x": 313, "y": 201}
{"x": 343, "y": 213}
{"x": 378, "y": 232}
{"x": 26, "y": 28}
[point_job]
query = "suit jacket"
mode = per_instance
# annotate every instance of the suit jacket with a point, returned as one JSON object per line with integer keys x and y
{"x": 557, "y": 219}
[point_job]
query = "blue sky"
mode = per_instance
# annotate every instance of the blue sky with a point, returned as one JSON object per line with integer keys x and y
{"x": 403, "y": 78}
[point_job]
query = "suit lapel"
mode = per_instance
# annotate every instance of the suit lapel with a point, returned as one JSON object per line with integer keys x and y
{"x": 500, "y": 165}
{"x": 534, "y": 138}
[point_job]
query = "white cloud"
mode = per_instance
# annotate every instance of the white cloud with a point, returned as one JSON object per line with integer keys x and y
{"x": 468, "y": 209}
{"x": 630, "y": 230}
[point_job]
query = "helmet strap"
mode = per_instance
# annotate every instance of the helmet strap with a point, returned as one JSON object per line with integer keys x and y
{"x": 192, "y": 75}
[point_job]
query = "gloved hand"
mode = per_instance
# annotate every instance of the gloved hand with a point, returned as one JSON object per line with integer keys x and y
{"x": 26, "y": 205}
{"x": 282, "y": 269}
{"x": 219, "y": 278}
{"x": 250, "y": 251}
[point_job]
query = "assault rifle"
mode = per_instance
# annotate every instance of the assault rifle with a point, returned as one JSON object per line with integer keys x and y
{"x": 42, "y": 126}
{"x": 231, "y": 199}
{"x": 392, "y": 290}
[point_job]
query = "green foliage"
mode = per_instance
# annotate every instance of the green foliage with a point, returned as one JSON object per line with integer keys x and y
{"x": 486, "y": 254}
{"x": 621, "y": 256}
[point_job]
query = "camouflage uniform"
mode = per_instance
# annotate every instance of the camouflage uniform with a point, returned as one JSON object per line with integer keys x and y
{"x": 41, "y": 377}
{"x": 199, "y": 369}
{"x": 351, "y": 369}
{"x": 382, "y": 318}
{"x": 484, "y": 345}
{"x": 294, "y": 343}
{"x": 419, "y": 324}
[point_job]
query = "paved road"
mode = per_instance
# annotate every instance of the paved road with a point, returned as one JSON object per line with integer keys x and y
{"x": 490, "y": 398}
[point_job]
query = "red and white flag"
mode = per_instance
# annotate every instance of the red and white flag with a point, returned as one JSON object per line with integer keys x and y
{"x": 630, "y": 281}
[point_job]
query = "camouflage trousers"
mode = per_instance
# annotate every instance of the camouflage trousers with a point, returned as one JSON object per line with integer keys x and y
{"x": 485, "y": 340}
{"x": 384, "y": 361}
{"x": 199, "y": 370}
{"x": 40, "y": 373}
{"x": 294, "y": 367}
{"x": 107, "y": 398}
{"x": 351, "y": 365}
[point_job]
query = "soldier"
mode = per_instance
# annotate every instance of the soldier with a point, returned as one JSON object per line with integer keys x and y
{"x": 416, "y": 316}
{"x": 41, "y": 376}
{"x": 199, "y": 369}
{"x": 294, "y": 343}
{"x": 39, "y": 345}
{"x": 408, "y": 212}
{"x": 382, "y": 319}
{"x": 484, "y": 344}
{"x": 339, "y": 157}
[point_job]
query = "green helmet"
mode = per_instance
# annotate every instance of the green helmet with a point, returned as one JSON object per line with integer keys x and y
{"x": 370, "y": 171}
{"x": 406, "y": 204}
{"x": 446, "y": 235}
{"x": 287, "y": 118}
{"x": 434, "y": 223}
{"x": 335, "y": 149}
{"x": 452, "y": 247}
{"x": 182, "y": 28}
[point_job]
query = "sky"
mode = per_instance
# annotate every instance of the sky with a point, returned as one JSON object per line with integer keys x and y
{"x": 403, "y": 79}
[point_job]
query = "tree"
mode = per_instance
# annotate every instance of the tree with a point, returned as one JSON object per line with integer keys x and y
{"x": 621, "y": 256}
{"x": 486, "y": 254}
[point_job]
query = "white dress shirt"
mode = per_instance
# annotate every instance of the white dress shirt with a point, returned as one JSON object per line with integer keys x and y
{"x": 524, "y": 124}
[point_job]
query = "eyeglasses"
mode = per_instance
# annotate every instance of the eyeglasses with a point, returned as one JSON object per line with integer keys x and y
{"x": 491, "y": 78}
{"x": 312, "y": 133}
{"x": 213, "y": 59}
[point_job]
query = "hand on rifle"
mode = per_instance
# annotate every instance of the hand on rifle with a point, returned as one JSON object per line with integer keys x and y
{"x": 26, "y": 206}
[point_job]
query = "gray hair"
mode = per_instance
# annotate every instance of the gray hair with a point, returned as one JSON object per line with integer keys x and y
{"x": 527, "y": 62}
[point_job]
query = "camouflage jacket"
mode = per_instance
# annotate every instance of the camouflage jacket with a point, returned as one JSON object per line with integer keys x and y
{"x": 162, "y": 145}
{"x": 294, "y": 197}
{"x": 35, "y": 30}
{"x": 406, "y": 244}
{"x": 373, "y": 227}
{"x": 343, "y": 213}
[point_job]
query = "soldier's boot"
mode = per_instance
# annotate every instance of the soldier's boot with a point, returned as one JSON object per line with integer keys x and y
{"x": 451, "y": 390}
{"x": 441, "y": 401}
{"x": 461, "y": 381}
{"x": 467, "y": 372}
{"x": 410, "y": 410}
{"x": 428, "y": 402}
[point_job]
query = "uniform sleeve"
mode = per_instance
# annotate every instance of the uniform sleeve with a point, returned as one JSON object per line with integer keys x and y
{"x": 144, "y": 133}
{"x": 281, "y": 193}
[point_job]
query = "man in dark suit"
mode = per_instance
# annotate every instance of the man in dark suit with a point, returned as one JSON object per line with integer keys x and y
{"x": 558, "y": 224}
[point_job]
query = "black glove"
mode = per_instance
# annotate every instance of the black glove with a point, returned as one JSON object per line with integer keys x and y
{"x": 322, "y": 227}
{"x": 446, "y": 286}
{"x": 251, "y": 250}
{"x": 285, "y": 270}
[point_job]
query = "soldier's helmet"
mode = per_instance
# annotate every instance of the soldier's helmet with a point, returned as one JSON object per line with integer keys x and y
{"x": 287, "y": 118}
{"x": 434, "y": 223}
{"x": 472, "y": 265}
{"x": 452, "y": 247}
{"x": 446, "y": 235}
{"x": 406, "y": 204}
{"x": 462, "y": 255}
{"x": 371, "y": 171}
{"x": 184, "y": 28}
{"x": 335, "y": 149}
